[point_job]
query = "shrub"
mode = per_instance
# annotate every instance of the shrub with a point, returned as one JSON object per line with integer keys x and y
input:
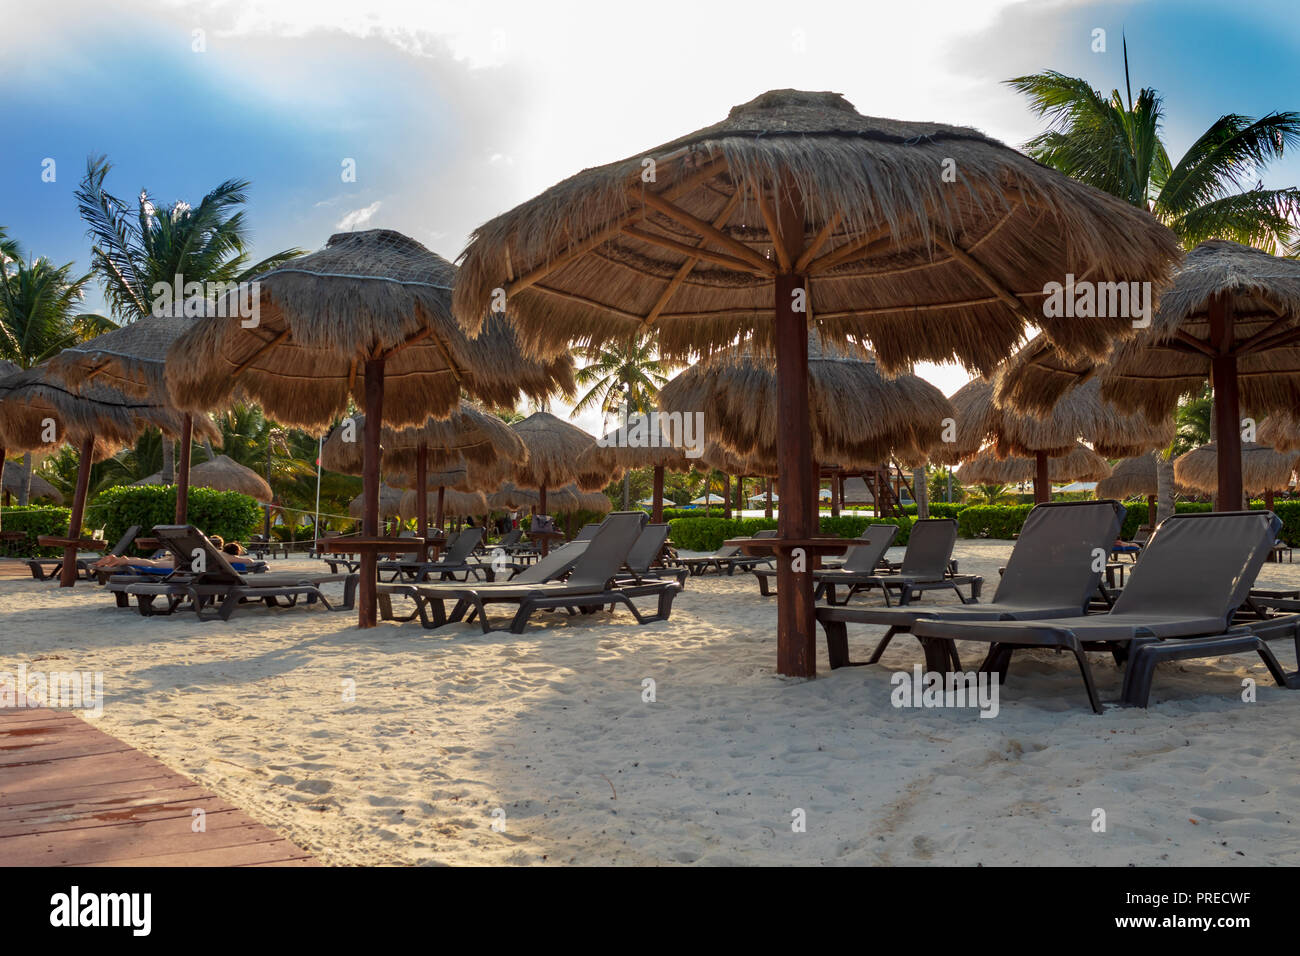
{"x": 35, "y": 521}
{"x": 227, "y": 513}
{"x": 940, "y": 509}
{"x": 991, "y": 521}
{"x": 707, "y": 534}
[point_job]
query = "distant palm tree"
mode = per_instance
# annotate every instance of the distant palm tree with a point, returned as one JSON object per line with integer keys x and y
{"x": 990, "y": 494}
{"x": 621, "y": 377}
{"x": 1192, "y": 422}
{"x": 39, "y": 315}
{"x": 134, "y": 247}
{"x": 1212, "y": 192}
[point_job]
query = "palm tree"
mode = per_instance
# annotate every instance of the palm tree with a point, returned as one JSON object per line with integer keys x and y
{"x": 135, "y": 247}
{"x": 1212, "y": 192}
{"x": 39, "y": 315}
{"x": 990, "y": 494}
{"x": 621, "y": 376}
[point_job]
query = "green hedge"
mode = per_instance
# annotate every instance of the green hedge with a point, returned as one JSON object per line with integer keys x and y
{"x": 940, "y": 509}
{"x": 35, "y": 520}
{"x": 707, "y": 534}
{"x": 234, "y": 516}
{"x": 991, "y": 521}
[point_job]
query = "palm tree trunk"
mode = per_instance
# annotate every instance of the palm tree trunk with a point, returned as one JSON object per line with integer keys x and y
{"x": 921, "y": 492}
{"x": 25, "y": 480}
{"x": 1164, "y": 487}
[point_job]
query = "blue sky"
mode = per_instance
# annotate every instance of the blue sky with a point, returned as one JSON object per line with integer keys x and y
{"x": 455, "y": 112}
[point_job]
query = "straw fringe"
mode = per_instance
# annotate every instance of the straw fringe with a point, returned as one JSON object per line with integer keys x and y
{"x": 1262, "y": 468}
{"x": 1079, "y": 464}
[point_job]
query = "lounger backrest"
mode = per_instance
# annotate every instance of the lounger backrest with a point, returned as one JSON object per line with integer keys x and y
{"x": 929, "y": 548}
{"x": 648, "y": 545}
{"x": 1200, "y": 565}
{"x": 553, "y": 565}
{"x": 608, "y": 549}
{"x": 124, "y": 542}
{"x": 463, "y": 546}
{"x": 510, "y": 537}
{"x": 183, "y": 540}
{"x": 874, "y": 542}
{"x": 587, "y": 532}
{"x": 1054, "y": 561}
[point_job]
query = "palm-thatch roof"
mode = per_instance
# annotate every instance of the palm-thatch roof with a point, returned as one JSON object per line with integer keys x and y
{"x": 468, "y": 435}
{"x": 39, "y": 487}
{"x": 31, "y": 399}
{"x": 457, "y": 476}
{"x": 1134, "y": 477}
{"x": 638, "y": 444}
{"x": 131, "y": 359}
{"x": 390, "y": 500}
{"x": 1262, "y": 468}
{"x": 981, "y": 416}
{"x": 454, "y": 502}
{"x": 923, "y": 269}
{"x": 510, "y": 496}
{"x": 225, "y": 474}
{"x": 1170, "y": 359}
{"x": 723, "y": 459}
{"x": 858, "y": 416}
{"x": 1281, "y": 430}
{"x": 375, "y": 293}
{"x": 1080, "y": 463}
{"x": 554, "y": 449}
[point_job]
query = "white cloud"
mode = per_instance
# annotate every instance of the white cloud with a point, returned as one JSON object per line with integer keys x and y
{"x": 358, "y": 217}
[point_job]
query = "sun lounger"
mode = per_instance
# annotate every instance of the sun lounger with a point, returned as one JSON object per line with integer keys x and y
{"x": 728, "y": 558}
{"x": 589, "y": 587}
{"x": 1195, "y": 572}
{"x": 1050, "y": 574}
{"x": 925, "y": 567}
{"x": 454, "y": 560}
{"x": 37, "y": 565}
{"x": 212, "y": 581}
{"x": 862, "y": 558}
{"x": 639, "y": 566}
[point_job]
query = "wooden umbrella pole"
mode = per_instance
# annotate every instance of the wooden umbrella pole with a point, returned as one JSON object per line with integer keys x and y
{"x": 1151, "y": 512}
{"x": 422, "y": 490}
{"x": 1227, "y": 406}
{"x": 1268, "y": 501}
{"x": 183, "y": 470}
{"x": 68, "y": 572}
{"x": 658, "y": 516}
{"x": 440, "y": 515}
{"x": 1042, "y": 480}
{"x": 374, "y": 396}
{"x": 767, "y": 504}
{"x": 2, "y": 471}
{"x": 726, "y": 496}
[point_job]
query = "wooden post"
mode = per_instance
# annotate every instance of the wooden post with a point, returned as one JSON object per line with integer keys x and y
{"x": 658, "y": 515}
{"x": 5, "y": 494}
{"x": 1151, "y": 512}
{"x": 767, "y": 506}
{"x": 183, "y": 471}
{"x": 1227, "y": 406}
{"x": 726, "y": 497}
{"x": 422, "y": 491}
{"x": 68, "y": 573}
{"x": 1042, "y": 480}
{"x": 836, "y": 490}
{"x": 1268, "y": 501}
{"x": 374, "y": 395}
{"x": 439, "y": 515}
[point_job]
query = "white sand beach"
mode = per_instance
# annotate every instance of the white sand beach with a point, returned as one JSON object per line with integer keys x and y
{"x": 550, "y": 727}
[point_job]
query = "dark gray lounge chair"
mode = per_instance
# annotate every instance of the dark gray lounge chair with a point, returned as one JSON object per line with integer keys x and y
{"x": 1050, "y": 574}
{"x": 589, "y": 586}
{"x": 37, "y": 565}
{"x": 640, "y": 560}
{"x": 1195, "y": 572}
{"x": 729, "y": 558}
{"x": 216, "y": 583}
{"x": 587, "y": 531}
{"x": 454, "y": 560}
{"x": 925, "y": 567}
{"x": 862, "y": 558}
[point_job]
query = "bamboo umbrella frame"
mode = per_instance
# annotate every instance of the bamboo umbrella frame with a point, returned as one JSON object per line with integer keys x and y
{"x": 797, "y": 213}
{"x": 367, "y": 318}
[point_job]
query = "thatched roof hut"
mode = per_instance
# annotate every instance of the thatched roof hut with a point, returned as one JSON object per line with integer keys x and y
{"x": 1281, "y": 430}
{"x": 1080, "y": 463}
{"x": 468, "y": 435}
{"x": 225, "y": 474}
{"x": 1134, "y": 477}
{"x": 555, "y": 449}
{"x": 797, "y": 214}
{"x": 510, "y": 496}
{"x": 454, "y": 502}
{"x": 39, "y": 487}
{"x": 859, "y": 417}
{"x": 131, "y": 359}
{"x": 1263, "y": 469}
{"x": 457, "y": 477}
{"x": 321, "y": 317}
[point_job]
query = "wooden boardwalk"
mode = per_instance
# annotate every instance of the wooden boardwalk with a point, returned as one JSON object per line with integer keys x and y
{"x": 71, "y": 795}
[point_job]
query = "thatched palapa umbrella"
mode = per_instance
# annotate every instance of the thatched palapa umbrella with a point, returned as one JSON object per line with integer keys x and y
{"x": 793, "y": 213}
{"x": 1051, "y": 432}
{"x": 1263, "y": 470}
{"x": 450, "y": 500}
{"x": 39, "y": 487}
{"x": 640, "y": 443}
{"x": 390, "y": 503}
{"x": 1232, "y": 316}
{"x": 132, "y": 359}
{"x": 554, "y": 450}
{"x": 38, "y": 411}
{"x": 225, "y": 474}
{"x": 1079, "y": 463}
{"x": 367, "y": 317}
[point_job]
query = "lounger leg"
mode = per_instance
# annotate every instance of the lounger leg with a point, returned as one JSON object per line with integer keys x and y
{"x": 880, "y": 647}
{"x": 837, "y": 643}
{"x": 520, "y": 620}
{"x": 765, "y": 586}
{"x": 123, "y": 599}
{"x": 998, "y": 661}
{"x": 938, "y": 654}
{"x": 1081, "y": 656}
